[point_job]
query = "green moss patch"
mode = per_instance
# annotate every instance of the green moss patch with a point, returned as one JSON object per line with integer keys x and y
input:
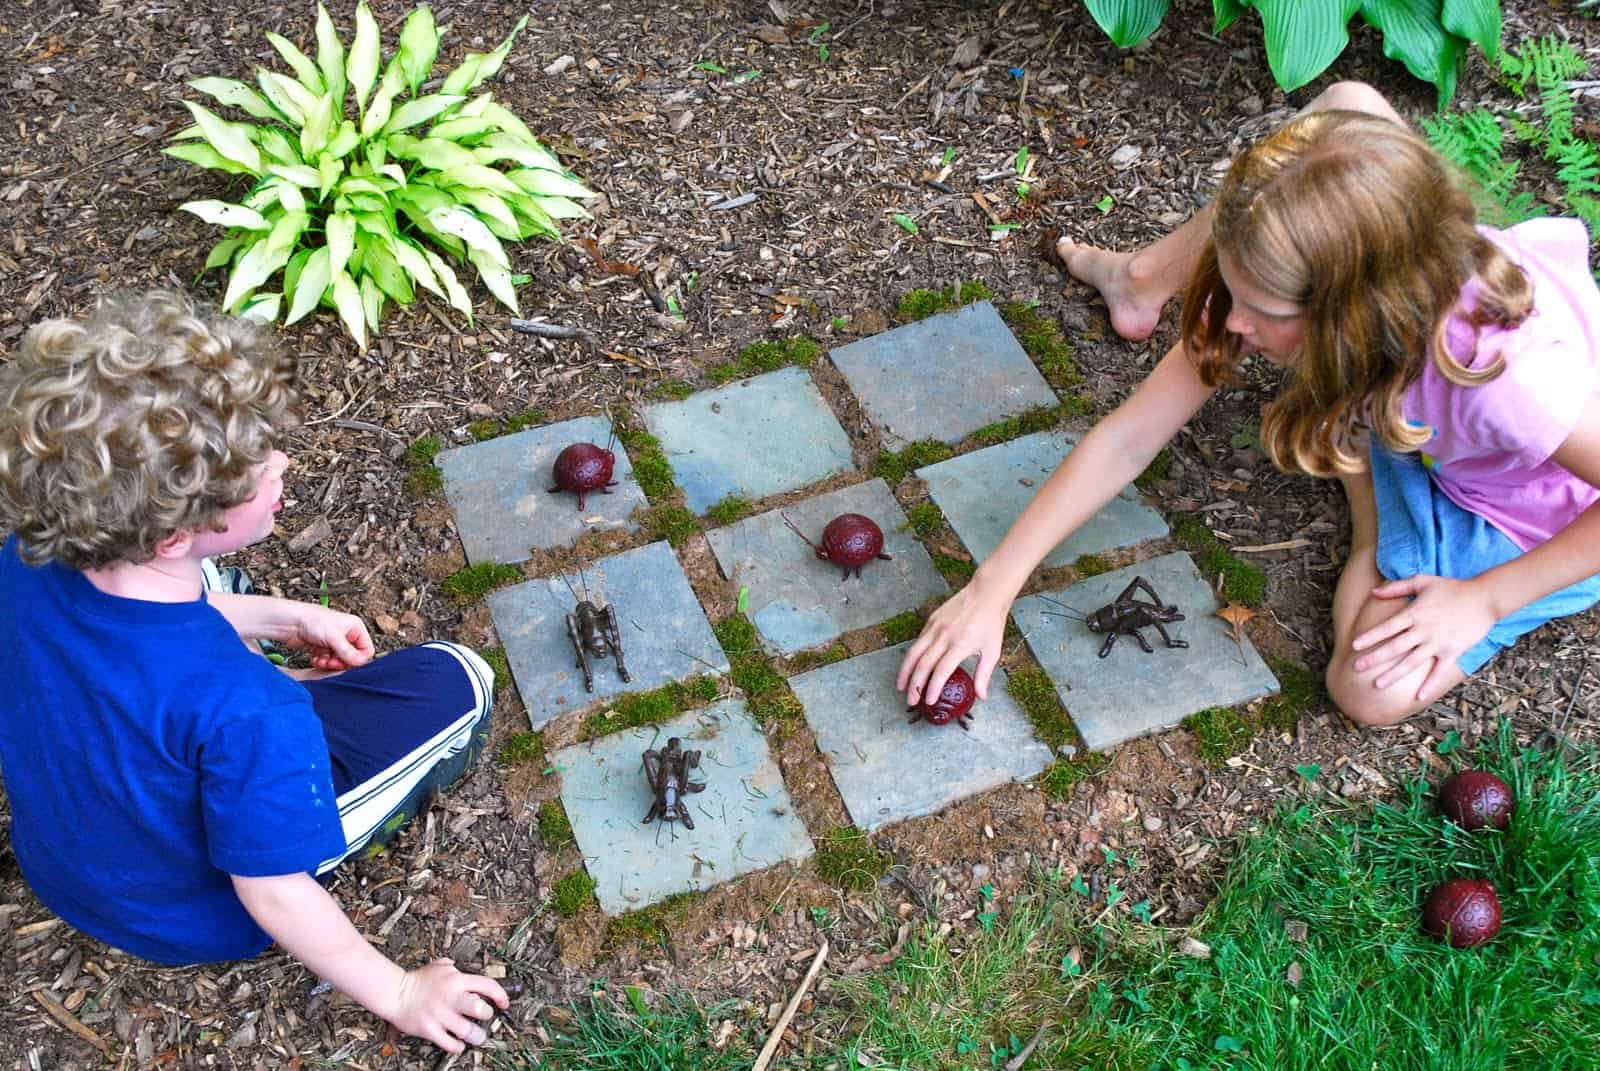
{"x": 953, "y": 569}
{"x": 1034, "y": 693}
{"x": 1156, "y": 471}
{"x": 669, "y": 521}
{"x": 1042, "y": 340}
{"x": 1057, "y": 781}
{"x": 846, "y": 858}
{"x": 924, "y": 519}
{"x": 651, "y": 470}
{"x": 650, "y": 924}
{"x": 1091, "y": 565}
{"x": 920, "y": 304}
{"x": 631, "y": 709}
{"x": 672, "y": 390}
{"x": 475, "y": 581}
{"x": 1241, "y": 582}
{"x": 554, "y": 828}
{"x": 751, "y": 669}
{"x": 807, "y": 660}
{"x": 894, "y": 467}
{"x": 779, "y": 712}
{"x": 522, "y": 748}
{"x": 422, "y": 478}
{"x": 1219, "y": 732}
{"x": 572, "y": 893}
{"x": 730, "y": 509}
{"x": 1041, "y": 419}
{"x": 901, "y": 627}
{"x": 758, "y": 357}
{"x": 496, "y": 657}
{"x": 1300, "y": 690}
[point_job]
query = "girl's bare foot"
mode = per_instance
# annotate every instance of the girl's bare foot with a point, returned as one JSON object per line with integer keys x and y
{"x": 1134, "y": 297}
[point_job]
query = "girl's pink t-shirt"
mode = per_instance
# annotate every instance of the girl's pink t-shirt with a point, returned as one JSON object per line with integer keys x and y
{"x": 1492, "y": 444}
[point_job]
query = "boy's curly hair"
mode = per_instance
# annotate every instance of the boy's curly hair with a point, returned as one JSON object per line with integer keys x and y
{"x": 146, "y": 420}
{"x": 1362, "y": 224}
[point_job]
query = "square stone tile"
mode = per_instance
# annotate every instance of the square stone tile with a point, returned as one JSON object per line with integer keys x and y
{"x": 499, "y": 491}
{"x": 1129, "y": 693}
{"x": 889, "y": 769}
{"x": 665, "y": 634}
{"x": 754, "y": 438}
{"x": 942, "y": 378}
{"x": 983, "y": 492}
{"x": 743, "y": 821}
{"x": 796, "y": 599}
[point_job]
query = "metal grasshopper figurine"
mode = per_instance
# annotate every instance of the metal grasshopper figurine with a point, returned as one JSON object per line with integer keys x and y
{"x": 594, "y": 633}
{"x": 1126, "y": 615}
{"x": 667, "y": 771}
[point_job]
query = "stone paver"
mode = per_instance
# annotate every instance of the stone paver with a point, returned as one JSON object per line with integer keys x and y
{"x": 665, "y": 634}
{"x": 942, "y": 378}
{"x": 1129, "y": 693}
{"x": 983, "y": 492}
{"x": 889, "y": 769}
{"x": 797, "y": 600}
{"x": 758, "y": 437}
{"x": 743, "y": 821}
{"x": 499, "y": 492}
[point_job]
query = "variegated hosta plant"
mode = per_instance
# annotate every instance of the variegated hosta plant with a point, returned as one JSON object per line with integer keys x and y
{"x": 354, "y": 211}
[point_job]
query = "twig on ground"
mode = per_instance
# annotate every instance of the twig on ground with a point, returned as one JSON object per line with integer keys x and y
{"x": 60, "y": 1014}
{"x": 544, "y": 330}
{"x": 1016, "y": 1062}
{"x": 776, "y": 1036}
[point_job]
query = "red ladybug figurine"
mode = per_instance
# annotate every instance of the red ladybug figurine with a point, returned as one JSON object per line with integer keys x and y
{"x": 849, "y": 541}
{"x": 1474, "y": 799}
{"x": 954, "y": 702}
{"x": 1462, "y": 911}
{"x": 584, "y": 467}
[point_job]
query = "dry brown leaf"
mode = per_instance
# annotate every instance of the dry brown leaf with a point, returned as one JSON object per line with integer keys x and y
{"x": 1237, "y": 616}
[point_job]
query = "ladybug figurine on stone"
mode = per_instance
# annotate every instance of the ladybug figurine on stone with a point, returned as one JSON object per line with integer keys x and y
{"x": 585, "y": 467}
{"x": 952, "y": 704}
{"x": 850, "y": 541}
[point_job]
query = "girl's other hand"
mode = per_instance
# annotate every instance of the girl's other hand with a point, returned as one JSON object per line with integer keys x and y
{"x": 972, "y": 621}
{"x": 1443, "y": 621}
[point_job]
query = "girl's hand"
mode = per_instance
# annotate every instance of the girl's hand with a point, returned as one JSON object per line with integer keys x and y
{"x": 335, "y": 640}
{"x": 440, "y": 1003}
{"x": 970, "y": 622}
{"x": 1445, "y": 618}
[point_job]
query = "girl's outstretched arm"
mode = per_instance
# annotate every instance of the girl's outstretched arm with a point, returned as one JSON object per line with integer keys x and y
{"x": 1446, "y": 617}
{"x": 1104, "y": 462}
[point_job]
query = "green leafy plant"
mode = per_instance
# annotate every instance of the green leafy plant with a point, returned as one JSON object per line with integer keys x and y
{"x": 1303, "y": 37}
{"x": 353, "y": 211}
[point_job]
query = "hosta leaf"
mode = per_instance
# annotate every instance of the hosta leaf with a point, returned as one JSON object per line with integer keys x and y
{"x": 1127, "y": 22}
{"x": 382, "y": 267}
{"x": 355, "y": 184}
{"x": 431, "y": 152}
{"x": 276, "y": 144}
{"x": 549, "y": 184}
{"x": 507, "y": 120}
{"x": 378, "y": 114}
{"x": 253, "y": 269}
{"x": 346, "y": 138}
{"x": 416, "y": 265}
{"x": 347, "y": 299}
{"x": 535, "y": 219}
{"x": 204, "y": 155}
{"x": 263, "y": 307}
{"x": 232, "y": 140}
{"x": 263, "y": 197}
{"x": 379, "y": 223}
{"x": 292, "y": 270}
{"x": 224, "y": 214}
{"x": 223, "y": 251}
{"x": 465, "y": 76}
{"x": 286, "y": 232}
{"x": 418, "y": 199}
{"x": 236, "y": 94}
{"x": 415, "y": 112}
{"x": 1225, "y": 13}
{"x": 307, "y": 72}
{"x": 561, "y": 208}
{"x": 319, "y": 124}
{"x": 371, "y": 301}
{"x": 394, "y": 172}
{"x": 330, "y": 57}
{"x": 527, "y": 152}
{"x": 299, "y": 174}
{"x": 494, "y": 60}
{"x": 497, "y": 277}
{"x": 340, "y": 232}
{"x": 447, "y": 278}
{"x": 1476, "y": 20}
{"x": 291, "y": 102}
{"x": 1412, "y": 35}
{"x": 361, "y": 66}
{"x": 419, "y": 46}
{"x": 499, "y": 218}
{"x": 464, "y": 128}
{"x": 478, "y": 177}
{"x": 1303, "y": 38}
{"x": 470, "y": 229}
{"x": 328, "y": 172}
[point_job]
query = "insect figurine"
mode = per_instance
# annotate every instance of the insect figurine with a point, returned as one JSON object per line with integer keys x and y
{"x": 1126, "y": 615}
{"x": 849, "y": 541}
{"x": 594, "y": 633}
{"x": 585, "y": 467}
{"x": 667, "y": 771}
{"x": 953, "y": 704}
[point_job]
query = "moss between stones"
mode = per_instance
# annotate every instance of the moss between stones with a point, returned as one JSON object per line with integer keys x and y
{"x": 806, "y": 660}
{"x": 953, "y": 569}
{"x": 901, "y": 627}
{"x": 893, "y": 467}
{"x": 1091, "y": 565}
{"x": 751, "y": 669}
{"x": 1041, "y": 419}
{"x": 758, "y": 357}
{"x": 572, "y": 893}
{"x": 496, "y": 657}
{"x": 1037, "y": 697}
{"x": 475, "y": 581}
{"x": 481, "y": 430}
{"x": 1057, "y": 781}
{"x": 1219, "y": 732}
{"x": 920, "y": 304}
{"x": 1156, "y": 471}
{"x": 846, "y": 858}
{"x": 1299, "y": 691}
{"x": 649, "y": 924}
{"x": 651, "y": 470}
{"x": 673, "y": 389}
{"x": 554, "y": 828}
{"x": 1241, "y": 582}
{"x": 669, "y": 521}
{"x": 631, "y": 709}
{"x": 924, "y": 519}
{"x": 1042, "y": 340}
{"x": 730, "y": 509}
{"x": 522, "y": 748}
{"x": 423, "y": 479}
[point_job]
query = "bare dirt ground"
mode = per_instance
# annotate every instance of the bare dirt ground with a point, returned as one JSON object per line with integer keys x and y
{"x": 762, "y": 205}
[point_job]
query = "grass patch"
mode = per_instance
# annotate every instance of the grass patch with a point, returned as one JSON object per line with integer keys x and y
{"x": 920, "y": 304}
{"x": 422, "y": 478}
{"x": 1043, "y": 418}
{"x": 1241, "y": 582}
{"x": 1037, "y": 697}
{"x": 1219, "y": 732}
{"x": 846, "y": 858}
{"x": 901, "y": 627}
{"x": 1156, "y": 471}
{"x": 798, "y": 351}
{"x": 669, "y": 521}
{"x": 925, "y": 519}
{"x": 522, "y": 748}
{"x": 1042, "y": 340}
{"x": 1300, "y": 690}
{"x": 1057, "y": 781}
{"x": 572, "y": 893}
{"x": 496, "y": 657}
{"x": 953, "y": 569}
{"x": 730, "y": 509}
{"x": 671, "y": 390}
{"x": 475, "y": 581}
{"x": 630, "y": 1035}
{"x": 893, "y": 467}
{"x": 1091, "y": 565}
{"x": 554, "y": 828}
{"x": 631, "y": 709}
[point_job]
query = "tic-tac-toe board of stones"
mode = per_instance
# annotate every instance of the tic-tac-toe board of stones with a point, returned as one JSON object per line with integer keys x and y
{"x": 743, "y": 820}
{"x": 983, "y": 492}
{"x": 1130, "y": 693}
{"x": 665, "y": 634}
{"x": 797, "y": 600}
{"x": 500, "y": 492}
{"x": 754, "y": 438}
{"x": 888, "y": 768}
{"x": 942, "y": 378}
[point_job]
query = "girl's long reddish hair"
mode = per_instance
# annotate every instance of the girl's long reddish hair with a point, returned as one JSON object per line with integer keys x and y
{"x": 1361, "y": 223}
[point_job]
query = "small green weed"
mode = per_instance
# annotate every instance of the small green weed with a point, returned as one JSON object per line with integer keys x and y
{"x": 1057, "y": 782}
{"x": 572, "y": 893}
{"x": 1219, "y": 733}
{"x": 925, "y": 519}
{"x": 901, "y": 627}
{"x": 522, "y": 748}
{"x": 1036, "y": 695}
{"x": 892, "y": 468}
{"x": 475, "y": 581}
{"x": 631, "y": 709}
{"x": 1241, "y": 582}
{"x": 496, "y": 657}
{"x": 1091, "y": 565}
{"x": 730, "y": 509}
{"x": 554, "y": 828}
{"x": 669, "y": 521}
{"x": 1042, "y": 340}
{"x": 920, "y": 304}
{"x": 846, "y": 858}
{"x": 1156, "y": 471}
{"x": 630, "y": 1035}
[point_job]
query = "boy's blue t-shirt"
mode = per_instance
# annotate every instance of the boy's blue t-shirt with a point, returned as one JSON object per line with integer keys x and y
{"x": 148, "y": 754}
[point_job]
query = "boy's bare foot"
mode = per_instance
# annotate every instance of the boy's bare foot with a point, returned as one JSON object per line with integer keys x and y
{"x": 1135, "y": 300}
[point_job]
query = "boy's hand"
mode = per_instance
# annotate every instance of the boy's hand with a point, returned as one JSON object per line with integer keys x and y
{"x": 334, "y": 639}
{"x": 440, "y": 1003}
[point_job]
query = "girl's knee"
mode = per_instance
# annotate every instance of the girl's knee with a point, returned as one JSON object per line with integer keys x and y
{"x": 1364, "y": 704}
